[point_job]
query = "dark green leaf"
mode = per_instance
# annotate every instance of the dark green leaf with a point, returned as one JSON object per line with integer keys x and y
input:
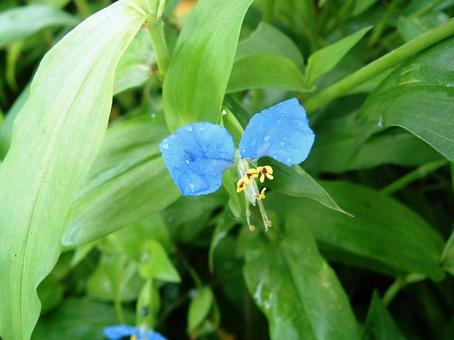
{"x": 201, "y": 62}
{"x": 325, "y": 59}
{"x": 296, "y": 289}
{"x": 419, "y": 98}
{"x": 383, "y": 234}
{"x": 294, "y": 181}
{"x": 379, "y": 324}
{"x": 77, "y": 319}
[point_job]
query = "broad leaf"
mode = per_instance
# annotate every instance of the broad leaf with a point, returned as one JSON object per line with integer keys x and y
{"x": 78, "y": 319}
{"x": 55, "y": 140}
{"x": 418, "y": 97}
{"x": 134, "y": 67}
{"x": 325, "y": 59}
{"x": 265, "y": 71}
{"x": 19, "y": 23}
{"x": 155, "y": 264}
{"x": 128, "y": 167}
{"x": 379, "y": 324}
{"x": 294, "y": 181}
{"x": 383, "y": 234}
{"x": 296, "y": 289}
{"x": 267, "y": 39}
{"x": 198, "y": 73}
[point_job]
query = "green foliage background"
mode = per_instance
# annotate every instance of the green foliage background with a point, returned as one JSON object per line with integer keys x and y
{"x": 93, "y": 232}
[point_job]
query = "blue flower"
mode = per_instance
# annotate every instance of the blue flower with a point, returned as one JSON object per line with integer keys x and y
{"x": 119, "y": 332}
{"x": 198, "y": 154}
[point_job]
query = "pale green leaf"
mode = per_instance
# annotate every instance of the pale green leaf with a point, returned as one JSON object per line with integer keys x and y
{"x": 201, "y": 63}
{"x": 265, "y": 71}
{"x": 56, "y": 137}
{"x": 128, "y": 167}
{"x": 155, "y": 264}
{"x": 21, "y": 22}
{"x": 325, "y": 59}
{"x": 199, "y": 308}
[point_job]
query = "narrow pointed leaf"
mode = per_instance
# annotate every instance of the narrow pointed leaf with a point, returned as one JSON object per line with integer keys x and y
{"x": 199, "y": 71}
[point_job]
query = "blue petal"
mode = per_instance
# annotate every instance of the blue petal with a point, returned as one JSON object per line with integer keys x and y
{"x": 118, "y": 332}
{"x": 196, "y": 156}
{"x": 281, "y": 132}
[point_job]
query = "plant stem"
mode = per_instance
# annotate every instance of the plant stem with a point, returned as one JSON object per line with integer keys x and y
{"x": 373, "y": 69}
{"x": 419, "y": 173}
{"x": 379, "y": 28}
{"x": 156, "y": 29}
{"x": 82, "y": 8}
{"x": 398, "y": 284}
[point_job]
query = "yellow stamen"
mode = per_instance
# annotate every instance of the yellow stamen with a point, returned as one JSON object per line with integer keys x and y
{"x": 250, "y": 175}
{"x": 262, "y": 195}
{"x": 241, "y": 185}
{"x": 265, "y": 171}
{"x": 133, "y": 337}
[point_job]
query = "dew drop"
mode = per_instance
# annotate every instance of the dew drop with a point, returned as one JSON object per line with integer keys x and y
{"x": 165, "y": 146}
{"x": 289, "y": 160}
{"x": 224, "y": 112}
{"x": 267, "y": 138}
{"x": 188, "y": 161}
{"x": 188, "y": 128}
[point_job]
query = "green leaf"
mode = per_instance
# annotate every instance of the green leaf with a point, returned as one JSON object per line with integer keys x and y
{"x": 6, "y": 129}
{"x": 265, "y": 71}
{"x": 56, "y": 137}
{"x": 134, "y": 68}
{"x": 362, "y": 5}
{"x": 418, "y": 97}
{"x": 155, "y": 263}
{"x": 201, "y": 62}
{"x": 114, "y": 279}
{"x": 412, "y": 26}
{"x": 77, "y": 319}
{"x": 382, "y": 235}
{"x": 294, "y": 181}
{"x": 447, "y": 258}
{"x": 379, "y": 324}
{"x": 128, "y": 167}
{"x": 296, "y": 289}
{"x": 21, "y": 22}
{"x": 343, "y": 144}
{"x": 325, "y": 59}
{"x": 148, "y": 305}
{"x": 199, "y": 308}
{"x": 267, "y": 39}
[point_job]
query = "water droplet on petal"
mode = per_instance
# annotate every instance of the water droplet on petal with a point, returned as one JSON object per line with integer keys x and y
{"x": 267, "y": 138}
{"x": 165, "y": 146}
{"x": 188, "y": 128}
{"x": 188, "y": 161}
{"x": 289, "y": 160}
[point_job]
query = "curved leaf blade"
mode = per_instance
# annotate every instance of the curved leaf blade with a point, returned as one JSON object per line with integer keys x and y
{"x": 199, "y": 70}
{"x": 55, "y": 139}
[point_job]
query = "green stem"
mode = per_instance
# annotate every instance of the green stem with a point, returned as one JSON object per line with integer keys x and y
{"x": 398, "y": 284}
{"x": 156, "y": 29}
{"x": 82, "y": 8}
{"x": 419, "y": 173}
{"x": 378, "y": 66}
{"x": 380, "y": 27}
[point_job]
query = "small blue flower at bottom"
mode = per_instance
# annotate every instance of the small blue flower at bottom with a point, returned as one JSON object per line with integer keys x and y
{"x": 198, "y": 154}
{"x": 119, "y": 332}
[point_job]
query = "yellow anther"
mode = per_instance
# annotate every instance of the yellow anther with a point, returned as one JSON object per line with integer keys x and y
{"x": 250, "y": 175}
{"x": 133, "y": 337}
{"x": 241, "y": 185}
{"x": 262, "y": 195}
{"x": 265, "y": 171}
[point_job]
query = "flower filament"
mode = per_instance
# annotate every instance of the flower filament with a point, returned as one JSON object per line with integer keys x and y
{"x": 248, "y": 185}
